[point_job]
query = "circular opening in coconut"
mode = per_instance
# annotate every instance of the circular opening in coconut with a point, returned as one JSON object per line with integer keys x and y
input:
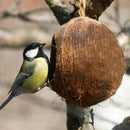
{"x": 87, "y": 63}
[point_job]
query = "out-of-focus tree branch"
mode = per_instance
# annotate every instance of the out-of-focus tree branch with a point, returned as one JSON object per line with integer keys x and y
{"x": 96, "y": 7}
{"x": 23, "y": 16}
{"x": 61, "y": 12}
{"x": 14, "y": 7}
{"x": 77, "y": 117}
{"x": 125, "y": 125}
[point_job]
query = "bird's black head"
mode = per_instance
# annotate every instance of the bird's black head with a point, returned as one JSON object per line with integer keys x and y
{"x": 33, "y": 51}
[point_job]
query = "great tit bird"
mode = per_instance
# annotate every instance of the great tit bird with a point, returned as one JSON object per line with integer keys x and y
{"x": 33, "y": 74}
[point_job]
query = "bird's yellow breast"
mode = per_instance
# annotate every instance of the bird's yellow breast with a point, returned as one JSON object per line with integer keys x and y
{"x": 39, "y": 69}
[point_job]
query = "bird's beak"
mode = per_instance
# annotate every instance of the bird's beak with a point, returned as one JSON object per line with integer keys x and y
{"x": 42, "y": 45}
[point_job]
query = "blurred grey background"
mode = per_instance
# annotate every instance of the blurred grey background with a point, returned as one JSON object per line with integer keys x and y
{"x": 45, "y": 110}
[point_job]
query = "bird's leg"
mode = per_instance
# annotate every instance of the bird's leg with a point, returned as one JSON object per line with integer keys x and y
{"x": 48, "y": 84}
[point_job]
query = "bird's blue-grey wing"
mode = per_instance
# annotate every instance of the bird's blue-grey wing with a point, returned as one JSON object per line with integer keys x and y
{"x": 18, "y": 82}
{"x": 16, "y": 88}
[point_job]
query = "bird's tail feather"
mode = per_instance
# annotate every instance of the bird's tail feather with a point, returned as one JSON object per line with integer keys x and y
{"x": 7, "y": 100}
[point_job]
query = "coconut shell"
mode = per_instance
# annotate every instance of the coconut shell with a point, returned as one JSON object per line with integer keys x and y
{"x": 87, "y": 64}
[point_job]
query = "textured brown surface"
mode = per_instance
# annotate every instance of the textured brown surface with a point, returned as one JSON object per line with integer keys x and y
{"x": 89, "y": 62}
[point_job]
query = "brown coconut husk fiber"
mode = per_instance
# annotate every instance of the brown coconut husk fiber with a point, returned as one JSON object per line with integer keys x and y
{"x": 87, "y": 63}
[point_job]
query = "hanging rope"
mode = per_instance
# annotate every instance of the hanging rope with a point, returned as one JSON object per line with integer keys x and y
{"x": 82, "y": 7}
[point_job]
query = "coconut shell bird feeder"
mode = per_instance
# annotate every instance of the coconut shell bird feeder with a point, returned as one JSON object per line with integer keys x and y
{"x": 87, "y": 63}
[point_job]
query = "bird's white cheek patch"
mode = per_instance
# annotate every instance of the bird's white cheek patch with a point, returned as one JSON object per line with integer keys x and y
{"x": 32, "y": 53}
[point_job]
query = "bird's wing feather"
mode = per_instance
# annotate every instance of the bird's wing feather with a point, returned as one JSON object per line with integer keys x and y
{"x": 16, "y": 88}
{"x": 25, "y": 72}
{"x": 19, "y": 80}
